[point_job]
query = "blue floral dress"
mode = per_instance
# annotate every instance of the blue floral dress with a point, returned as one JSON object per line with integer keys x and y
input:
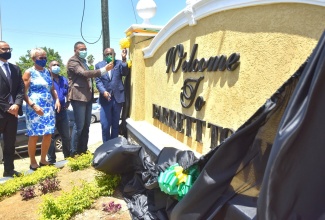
{"x": 40, "y": 92}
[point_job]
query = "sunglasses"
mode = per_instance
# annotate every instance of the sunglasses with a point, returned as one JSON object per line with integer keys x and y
{"x": 6, "y": 49}
{"x": 42, "y": 58}
{"x": 109, "y": 54}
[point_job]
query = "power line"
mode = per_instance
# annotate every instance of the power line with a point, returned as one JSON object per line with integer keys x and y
{"x": 136, "y": 21}
{"x": 48, "y": 34}
{"x": 82, "y": 19}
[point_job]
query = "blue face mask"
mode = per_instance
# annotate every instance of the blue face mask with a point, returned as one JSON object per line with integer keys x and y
{"x": 55, "y": 69}
{"x": 41, "y": 63}
{"x": 83, "y": 54}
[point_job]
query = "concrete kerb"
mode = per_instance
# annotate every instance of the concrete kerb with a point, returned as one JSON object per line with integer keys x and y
{"x": 59, "y": 164}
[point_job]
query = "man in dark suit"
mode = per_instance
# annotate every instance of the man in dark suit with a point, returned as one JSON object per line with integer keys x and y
{"x": 11, "y": 100}
{"x": 81, "y": 95}
{"x": 111, "y": 89}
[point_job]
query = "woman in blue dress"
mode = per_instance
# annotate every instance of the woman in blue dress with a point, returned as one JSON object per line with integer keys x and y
{"x": 40, "y": 116}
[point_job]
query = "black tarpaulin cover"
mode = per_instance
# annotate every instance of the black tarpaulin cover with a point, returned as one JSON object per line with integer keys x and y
{"x": 294, "y": 181}
{"x": 273, "y": 162}
{"x": 235, "y": 169}
{"x": 139, "y": 174}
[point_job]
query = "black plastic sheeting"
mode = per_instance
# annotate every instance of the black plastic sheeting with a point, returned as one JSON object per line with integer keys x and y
{"x": 272, "y": 163}
{"x": 139, "y": 175}
{"x": 294, "y": 181}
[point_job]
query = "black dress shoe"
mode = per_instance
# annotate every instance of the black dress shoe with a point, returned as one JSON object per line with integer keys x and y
{"x": 33, "y": 168}
{"x": 11, "y": 173}
{"x": 42, "y": 164}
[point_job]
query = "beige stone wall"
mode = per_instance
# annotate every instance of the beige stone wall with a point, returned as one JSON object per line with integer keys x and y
{"x": 138, "y": 77}
{"x": 273, "y": 41}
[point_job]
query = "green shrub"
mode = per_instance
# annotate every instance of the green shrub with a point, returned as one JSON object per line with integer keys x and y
{"x": 107, "y": 183}
{"x": 80, "y": 198}
{"x": 68, "y": 204}
{"x": 13, "y": 185}
{"x": 80, "y": 162}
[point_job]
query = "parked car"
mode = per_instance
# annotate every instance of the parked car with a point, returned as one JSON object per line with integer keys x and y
{"x": 95, "y": 112}
{"x": 22, "y": 139}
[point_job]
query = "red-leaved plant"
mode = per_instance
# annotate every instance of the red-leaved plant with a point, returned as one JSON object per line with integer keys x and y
{"x": 28, "y": 192}
{"x": 111, "y": 207}
{"x": 49, "y": 185}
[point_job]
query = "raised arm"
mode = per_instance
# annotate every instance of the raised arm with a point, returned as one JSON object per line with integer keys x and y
{"x": 76, "y": 67}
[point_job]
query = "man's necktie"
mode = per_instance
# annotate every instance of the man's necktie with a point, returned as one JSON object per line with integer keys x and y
{"x": 10, "y": 81}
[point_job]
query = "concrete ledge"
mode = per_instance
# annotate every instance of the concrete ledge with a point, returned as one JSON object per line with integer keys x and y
{"x": 153, "y": 138}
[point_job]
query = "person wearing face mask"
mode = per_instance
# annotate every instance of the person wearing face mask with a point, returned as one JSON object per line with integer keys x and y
{"x": 61, "y": 118}
{"x": 81, "y": 94}
{"x": 111, "y": 89}
{"x": 11, "y": 100}
{"x": 42, "y": 102}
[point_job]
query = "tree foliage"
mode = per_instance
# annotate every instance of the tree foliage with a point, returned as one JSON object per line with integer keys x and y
{"x": 26, "y": 61}
{"x": 90, "y": 59}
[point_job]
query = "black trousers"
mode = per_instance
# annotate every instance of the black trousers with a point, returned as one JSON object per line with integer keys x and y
{"x": 8, "y": 128}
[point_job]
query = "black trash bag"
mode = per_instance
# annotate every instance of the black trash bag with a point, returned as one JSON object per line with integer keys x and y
{"x": 117, "y": 157}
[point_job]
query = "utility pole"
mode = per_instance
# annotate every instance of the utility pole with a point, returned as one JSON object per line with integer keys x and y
{"x": 105, "y": 24}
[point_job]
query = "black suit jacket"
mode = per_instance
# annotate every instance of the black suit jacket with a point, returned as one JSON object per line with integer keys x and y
{"x": 113, "y": 85}
{"x": 17, "y": 90}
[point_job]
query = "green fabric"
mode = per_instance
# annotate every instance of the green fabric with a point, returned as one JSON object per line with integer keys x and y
{"x": 175, "y": 181}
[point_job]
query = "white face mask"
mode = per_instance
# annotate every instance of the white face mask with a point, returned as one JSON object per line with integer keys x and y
{"x": 83, "y": 54}
{"x": 55, "y": 69}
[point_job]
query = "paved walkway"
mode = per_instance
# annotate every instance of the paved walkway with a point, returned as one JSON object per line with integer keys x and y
{"x": 22, "y": 164}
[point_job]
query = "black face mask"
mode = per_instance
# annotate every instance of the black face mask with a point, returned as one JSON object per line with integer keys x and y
{"x": 5, "y": 56}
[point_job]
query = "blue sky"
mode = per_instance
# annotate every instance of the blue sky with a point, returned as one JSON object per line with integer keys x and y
{"x": 56, "y": 23}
